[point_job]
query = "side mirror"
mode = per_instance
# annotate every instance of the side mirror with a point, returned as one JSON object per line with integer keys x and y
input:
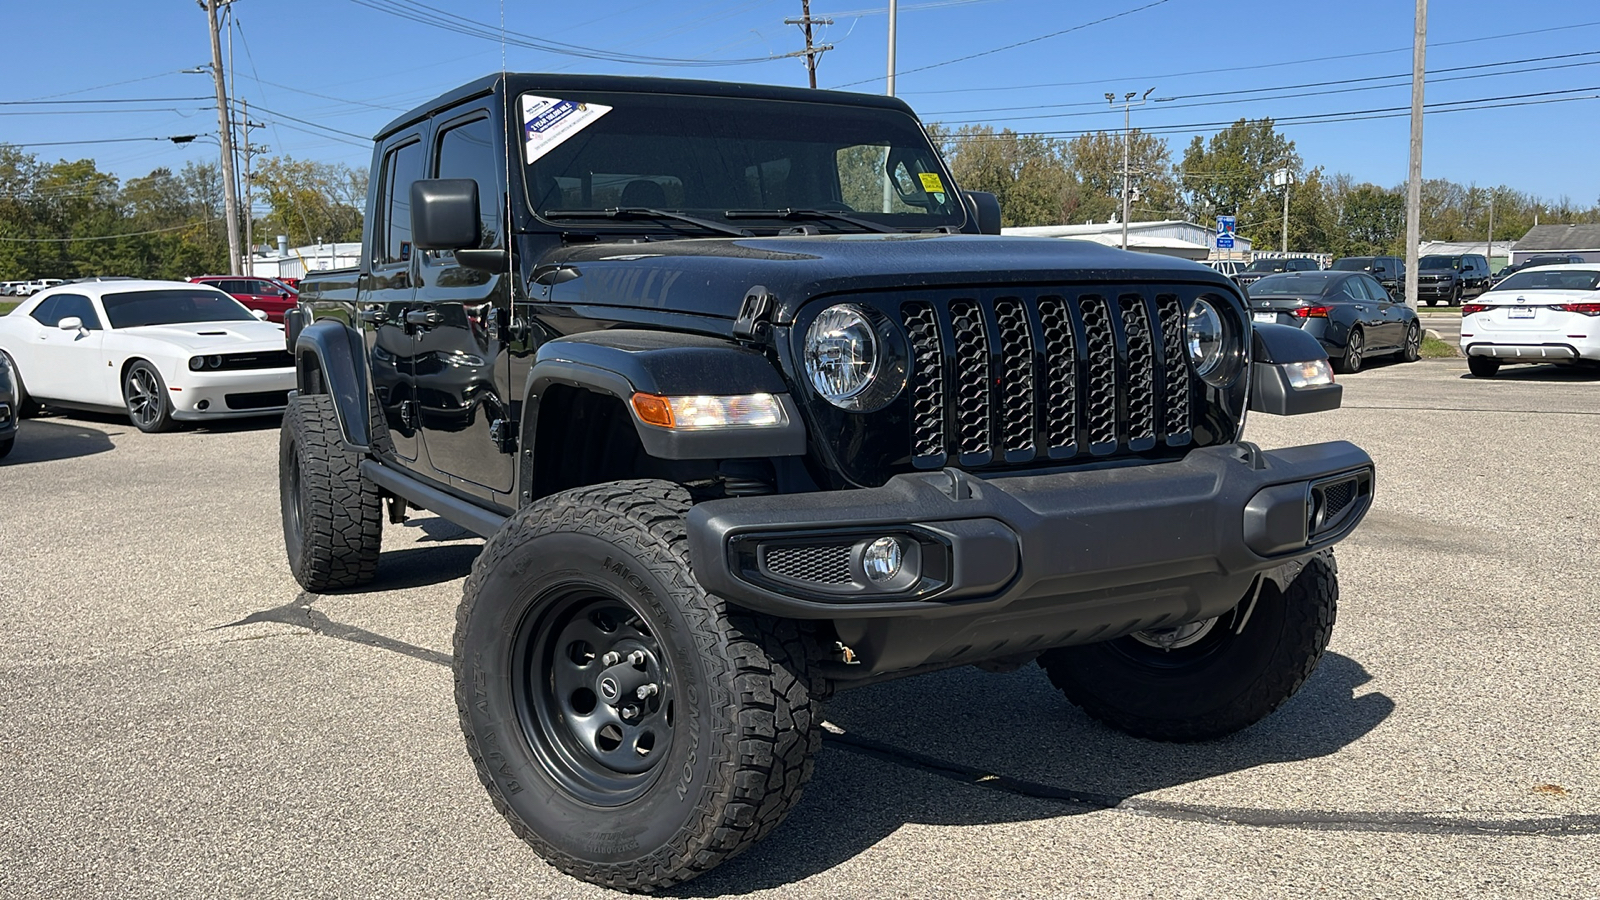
{"x": 1378, "y": 270}
{"x": 444, "y": 214}
{"x": 283, "y": 295}
{"x": 261, "y": 313}
{"x": 986, "y": 210}
{"x": 70, "y": 323}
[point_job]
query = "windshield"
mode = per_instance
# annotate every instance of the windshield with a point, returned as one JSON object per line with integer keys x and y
{"x": 706, "y": 156}
{"x": 1291, "y": 284}
{"x": 174, "y": 307}
{"x": 1551, "y": 280}
{"x": 1439, "y": 262}
{"x": 1353, "y": 264}
{"x": 1267, "y": 265}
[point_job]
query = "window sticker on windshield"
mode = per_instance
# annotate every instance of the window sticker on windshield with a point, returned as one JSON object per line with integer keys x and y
{"x": 931, "y": 183}
{"x": 547, "y": 122}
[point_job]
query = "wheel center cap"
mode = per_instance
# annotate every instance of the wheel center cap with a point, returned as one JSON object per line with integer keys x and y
{"x": 609, "y": 689}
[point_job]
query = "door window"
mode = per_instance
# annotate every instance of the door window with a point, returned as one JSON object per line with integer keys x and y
{"x": 69, "y": 305}
{"x": 469, "y": 150}
{"x": 401, "y": 167}
{"x": 1373, "y": 289}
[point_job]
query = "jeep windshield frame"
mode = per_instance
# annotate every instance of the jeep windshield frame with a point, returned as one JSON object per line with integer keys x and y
{"x": 705, "y": 156}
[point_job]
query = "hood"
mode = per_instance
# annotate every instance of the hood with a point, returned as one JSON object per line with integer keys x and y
{"x": 214, "y": 336}
{"x": 712, "y": 276}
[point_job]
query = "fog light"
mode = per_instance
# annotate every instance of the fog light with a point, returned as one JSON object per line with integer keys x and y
{"x": 881, "y": 560}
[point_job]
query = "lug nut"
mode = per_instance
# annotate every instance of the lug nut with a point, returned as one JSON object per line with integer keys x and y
{"x": 646, "y": 690}
{"x": 611, "y": 658}
{"x": 630, "y": 712}
{"x": 637, "y": 657}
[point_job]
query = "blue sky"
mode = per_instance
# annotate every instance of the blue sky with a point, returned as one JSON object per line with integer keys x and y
{"x": 348, "y": 65}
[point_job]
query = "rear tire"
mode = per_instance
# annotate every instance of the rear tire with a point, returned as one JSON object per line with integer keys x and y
{"x": 1213, "y": 683}
{"x": 1412, "y": 350}
{"x": 633, "y": 729}
{"x": 332, "y": 515}
{"x": 1483, "y": 366}
{"x": 1355, "y": 344}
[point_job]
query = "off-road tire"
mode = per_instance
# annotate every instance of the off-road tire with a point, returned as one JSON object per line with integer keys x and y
{"x": 332, "y": 514}
{"x": 1483, "y": 366}
{"x": 1355, "y": 347}
{"x": 734, "y": 756}
{"x": 1228, "y": 681}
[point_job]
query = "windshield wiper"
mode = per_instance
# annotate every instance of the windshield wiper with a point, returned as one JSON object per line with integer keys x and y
{"x": 868, "y": 224}
{"x": 642, "y": 212}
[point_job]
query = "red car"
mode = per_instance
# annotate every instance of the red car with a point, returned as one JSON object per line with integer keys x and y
{"x": 266, "y": 294}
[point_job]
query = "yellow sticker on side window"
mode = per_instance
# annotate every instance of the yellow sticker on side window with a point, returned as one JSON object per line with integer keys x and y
{"x": 931, "y": 183}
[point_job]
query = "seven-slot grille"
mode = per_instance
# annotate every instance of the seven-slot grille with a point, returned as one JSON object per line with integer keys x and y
{"x": 1008, "y": 379}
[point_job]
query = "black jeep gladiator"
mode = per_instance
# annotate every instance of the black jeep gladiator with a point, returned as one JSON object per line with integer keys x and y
{"x": 753, "y": 405}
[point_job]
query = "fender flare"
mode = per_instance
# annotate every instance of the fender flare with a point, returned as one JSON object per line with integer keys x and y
{"x": 340, "y": 356}
{"x": 622, "y": 362}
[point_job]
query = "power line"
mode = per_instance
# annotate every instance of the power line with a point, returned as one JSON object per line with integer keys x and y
{"x": 1318, "y": 84}
{"x": 176, "y": 139}
{"x": 106, "y": 237}
{"x": 1233, "y": 69}
{"x": 1032, "y": 40}
{"x": 448, "y": 21}
{"x": 116, "y": 100}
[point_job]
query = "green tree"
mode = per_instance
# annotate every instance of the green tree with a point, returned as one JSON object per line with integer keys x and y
{"x": 1232, "y": 174}
{"x": 1028, "y": 173}
{"x": 1097, "y": 166}
{"x": 311, "y": 200}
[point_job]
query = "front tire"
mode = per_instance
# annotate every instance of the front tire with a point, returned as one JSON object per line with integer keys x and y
{"x": 1483, "y": 366}
{"x": 632, "y": 728}
{"x": 332, "y": 514}
{"x": 1210, "y": 679}
{"x": 27, "y": 407}
{"x": 145, "y": 393}
{"x": 1412, "y": 351}
{"x": 1350, "y": 360}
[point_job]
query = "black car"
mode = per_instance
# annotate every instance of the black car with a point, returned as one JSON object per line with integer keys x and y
{"x": 1261, "y": 268}
{"x": 9, "y": 408}
{"x": 1349, "y": 313}
{"x": 1451, "y": 277}
{"x": 1390, "y": 271}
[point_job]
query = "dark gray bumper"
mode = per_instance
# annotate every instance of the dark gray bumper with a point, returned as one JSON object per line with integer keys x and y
{"x": 1048, "y": 559}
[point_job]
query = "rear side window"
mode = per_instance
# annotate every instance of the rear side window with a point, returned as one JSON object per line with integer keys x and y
{"x": 401, "y": 167}
{"x": 469, "y": 150}
{"x": 45, "y": 313}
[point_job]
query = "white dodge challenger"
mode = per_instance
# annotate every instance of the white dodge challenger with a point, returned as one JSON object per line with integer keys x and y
{"x": 164, "y": 351}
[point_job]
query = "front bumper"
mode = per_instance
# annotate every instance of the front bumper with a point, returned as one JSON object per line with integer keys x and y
{"x": 209, "y": 394}
{"x": 1019, "y": 564}
{"x": 1436, "y": 290}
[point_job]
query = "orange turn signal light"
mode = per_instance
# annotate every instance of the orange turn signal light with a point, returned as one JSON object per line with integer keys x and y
{"x": 653, "y": 410}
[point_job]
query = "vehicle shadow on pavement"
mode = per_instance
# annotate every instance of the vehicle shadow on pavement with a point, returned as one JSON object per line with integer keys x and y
{"x": 39, "y": 441}
{"x": 1009, "y": 748}
{"x": 415, "y": 567}
{"x": 1543, "y": 373}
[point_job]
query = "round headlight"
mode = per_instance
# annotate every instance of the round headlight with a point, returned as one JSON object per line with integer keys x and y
{"x": 842, "y": 354}
{"x": 196, "y": 363}
{"x": 1206, "y": 338}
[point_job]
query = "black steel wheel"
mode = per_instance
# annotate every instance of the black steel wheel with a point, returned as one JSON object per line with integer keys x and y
{"x": 145, "y": 394}
{"x": 1412, "y": 350}
{"x": 1206, "y": 679}
{"x": 632, "y": 728}
{"x": 1354, "y": 346}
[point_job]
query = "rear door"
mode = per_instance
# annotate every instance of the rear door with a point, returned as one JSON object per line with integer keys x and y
{"x": 462, "y": 370}
{"x": 1389, "y": 326}
{"x": 387, "y": 289}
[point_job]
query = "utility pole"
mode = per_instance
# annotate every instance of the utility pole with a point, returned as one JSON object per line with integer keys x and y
{"x": 230, "y": 187}
{"x": 1488, "y": 250}
{"x": 894, "y": 18}
{"x": 1419, "y": 52}
{"x": 811, "y": 53}
{"x": 1285, "y": 177}
{"x": 1127, "y": 138}
{"x": 249, "y": 194}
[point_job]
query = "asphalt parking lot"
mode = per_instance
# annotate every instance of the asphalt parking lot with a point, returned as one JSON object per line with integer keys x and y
{"x": 181, "y": 720}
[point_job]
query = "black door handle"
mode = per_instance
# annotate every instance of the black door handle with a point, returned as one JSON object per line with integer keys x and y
{"x": 374, "y": 316}
{"x": 423, "y": 318}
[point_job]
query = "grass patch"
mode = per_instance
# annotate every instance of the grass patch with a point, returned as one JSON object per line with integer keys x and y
{"x": 1433, "y": 348}
{"x": 8, "y": 307}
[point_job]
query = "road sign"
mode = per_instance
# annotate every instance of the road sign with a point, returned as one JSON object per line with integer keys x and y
{"x": 1225, "y": 225}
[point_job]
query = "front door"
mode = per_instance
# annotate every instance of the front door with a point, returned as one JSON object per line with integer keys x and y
{"x": 70, "y": 365}
{"x": 461, "y": 366}
{"x": 387, "y": 291}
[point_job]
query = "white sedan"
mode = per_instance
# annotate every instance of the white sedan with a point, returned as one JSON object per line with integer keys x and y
{"x": 1543, "y": 314}
{"x": 164, "y": 351}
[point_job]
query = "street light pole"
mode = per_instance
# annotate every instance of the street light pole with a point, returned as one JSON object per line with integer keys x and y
{"x": 230, "y": 187}
{"x": 1127, "y": 137}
